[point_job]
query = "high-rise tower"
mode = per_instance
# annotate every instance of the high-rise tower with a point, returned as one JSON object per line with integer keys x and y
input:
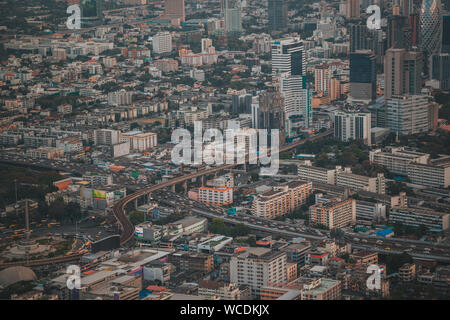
{"x": 431, "y": 26}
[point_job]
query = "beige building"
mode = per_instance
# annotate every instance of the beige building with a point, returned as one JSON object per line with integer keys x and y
{"x": 333, "y": 214}
{"x": 282, "y": 199}
{"x": 220, "y": 196}
{"x": 397, "y": 159}
{"x": 322, "y": 175}
{"x": 358, "y": 182}
{"x": 215, "y": 289}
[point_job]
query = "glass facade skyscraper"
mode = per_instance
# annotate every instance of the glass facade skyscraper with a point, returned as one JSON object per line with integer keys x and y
{"x": 431, "y": 26}
{"x": 277, "y": 15}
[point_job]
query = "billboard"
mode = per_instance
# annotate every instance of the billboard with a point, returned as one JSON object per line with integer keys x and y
{"x": 98, "y": 194}
{"x": 139, "y": 232}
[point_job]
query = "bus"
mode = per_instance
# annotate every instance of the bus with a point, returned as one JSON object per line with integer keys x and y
{"x": 53, "y": 224}
{"x": 18, "y": 231}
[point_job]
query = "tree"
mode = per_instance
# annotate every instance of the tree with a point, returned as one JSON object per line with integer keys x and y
{"x": 137, "y": 217}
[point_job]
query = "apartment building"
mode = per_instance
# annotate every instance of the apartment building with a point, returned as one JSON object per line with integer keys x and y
{"x": 162, "y": 42}
{"x": 45, "y": 153}
{"x": 97, "y": 179}
{"x": 140, "y": 141}
{"x": 415, "y": 216}
{"x": 357, "y": 182}
{"x": 282, "y": 199}
{"x": 217, "y": 196}
{"x": 370, "y": 212}
{"x": 106, "y": 137}
{"x": 120, "y": 98}
{"x": 407, "y": 272}
{"x": 188, "y": 261}
{"x": 321, "y": 289}
{"x": 430, "y": 175}
{"x": 215, "y": 289}
{"x": 397, "y": 159}
{"x": 9, "y": 139}
{"x": 322, "y": 175}
{"x": 258, "y": 267}
{"x": 334, "y": 213}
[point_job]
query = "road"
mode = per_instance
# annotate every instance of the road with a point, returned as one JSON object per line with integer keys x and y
{"x": 119, "y": 208}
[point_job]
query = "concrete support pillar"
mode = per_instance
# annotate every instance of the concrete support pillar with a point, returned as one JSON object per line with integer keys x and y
{"x": 173, "y": 188}
{"x": 203, "y": 181}
{"x": 136, "y": 203}
{"x": 185, "y": 184}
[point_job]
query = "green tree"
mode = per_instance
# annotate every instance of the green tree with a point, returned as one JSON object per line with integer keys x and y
{"x": 137, "y": 217}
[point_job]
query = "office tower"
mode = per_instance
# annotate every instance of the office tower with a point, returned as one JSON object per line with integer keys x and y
{"x": 407, "y": 114}
{"x": 258, "y": 267}
{"x": 363, "y": 78}
{"x": 353, "y": 9}
{"x": 277, "y": 15}
{"x": 399, "y": 33}
{"x": 446, "y": 5}
{"x": 446, "y": 33}
{"x": 406, "y": 7}
{"x": 430, "y": 26}
{"x": 241, "y": 103}
{"x": 271, "y": 113}
{"x": 440, "y": 70}
{"x": 288, "y": 55}
{"x": 233, "y": 16}
{"x": 359, "y": 37}
{"x": 352, "y": 126}
{"x": 402, "y": 72}
{"x": 91, "y": 12}
{"x": 162, "y": 42}
{"x": 297, "y": 103}
{"x": 414, "y": 25}
{"x": 175, "y": 9}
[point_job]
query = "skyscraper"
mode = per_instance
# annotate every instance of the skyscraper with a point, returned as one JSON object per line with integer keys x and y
{"x": 288, "y": 55}
{"x": 402, "y": 72}
{"x": 277, "y": 15}
{"x": 175, "y": 8}
{"x": 399, "y": 33}
{"x": 91, "y": 12}
{"x": 353, "y": 9}
{"x": 440, "y": 69}
{"x": 446, "y": 34}
{"x": 407, "y": 114}
{"x": 363, "y": 77}
{"x": 430, "y": 26}
{"x": 297, "y": 103}
{"x": 359, "y": 37}
{"x": 271, "y": 113}
{"x": 233, "y": 16}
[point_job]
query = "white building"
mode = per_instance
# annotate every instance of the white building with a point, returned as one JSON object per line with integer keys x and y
{"x": 258, "y": 267}
{"x": 162, "y": 42}
{"x": 407, "y": 114}
{"x": 219, "y": 196}
{"x": 352, "y": 125}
